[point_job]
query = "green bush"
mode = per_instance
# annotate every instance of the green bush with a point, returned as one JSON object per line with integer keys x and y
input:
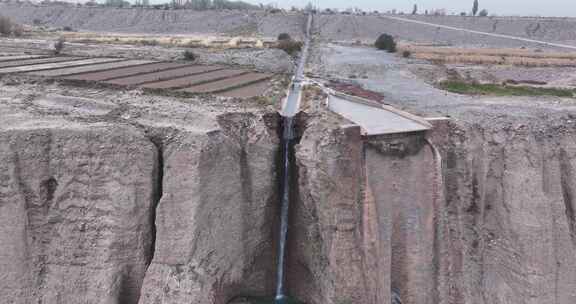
{"x": 290, "y": 46}
{"x": 284, "y": 36}
{"x": 152, "y": 42}
{"x": 7, "y": 27}
{"x": 189, "y": 56}
{"x": 386, "y": 42}
{"x": 59, "y": 45}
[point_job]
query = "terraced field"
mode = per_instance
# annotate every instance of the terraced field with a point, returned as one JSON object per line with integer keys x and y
{"x": 146, "y": 74}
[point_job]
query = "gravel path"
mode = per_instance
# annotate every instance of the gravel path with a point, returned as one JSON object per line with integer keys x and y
{"x": 390, "y": 75}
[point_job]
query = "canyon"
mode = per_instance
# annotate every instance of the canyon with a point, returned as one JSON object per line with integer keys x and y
{"x": 121, "y": 196}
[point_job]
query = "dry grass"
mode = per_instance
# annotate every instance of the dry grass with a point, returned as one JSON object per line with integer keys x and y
{"x": 169, "y": 41}
{"x": 503, "y": 90}
{"x": 522, "y": 57}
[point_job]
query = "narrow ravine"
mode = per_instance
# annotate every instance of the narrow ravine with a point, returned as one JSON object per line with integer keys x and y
{"x": 289, "y": 110}
{"x": 287, "y": 139}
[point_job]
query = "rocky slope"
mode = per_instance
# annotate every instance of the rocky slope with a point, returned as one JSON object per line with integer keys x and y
{"x": 368, "y": 28}
{"x": 225, "y": 22}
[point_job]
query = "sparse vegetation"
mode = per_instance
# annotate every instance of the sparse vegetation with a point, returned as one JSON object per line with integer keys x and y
{"x": 264, "y": 101}
{"x": 287, "y": 44}
{"x": 5, "y": 26}
{"x": 284, "y": 36}
{"x": 461, "y": 87}
{"x": 518, "y": 57}
{"x": 189, "y": 56}
{"x": 386, "y": 42}
{"x": 148, "y": 42}
{"x": 59, "y": 46}
{"x": 290, "y": 46}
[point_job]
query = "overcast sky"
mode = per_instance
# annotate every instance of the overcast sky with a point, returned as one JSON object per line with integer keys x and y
{"x": 500, "y": 7}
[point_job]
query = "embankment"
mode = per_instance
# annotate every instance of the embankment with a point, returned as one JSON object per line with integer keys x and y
{"x": 155, "y": 21}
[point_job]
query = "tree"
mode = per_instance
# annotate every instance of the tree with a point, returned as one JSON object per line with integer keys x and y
{"x": 475, "y": 8}
{"x": 483, "y": 13}
{"x": 386, "y": 42}
{"x": 415, "y": 10}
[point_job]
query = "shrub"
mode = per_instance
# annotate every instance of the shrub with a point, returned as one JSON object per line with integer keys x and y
{"x": 386, "y": 42}
{"x": 59, "y": 45}
{"x": 17, "y": 30}
{"x": 189, "y": 56}
{"x": 68, "y": 29}
{"x": 290, "y": 46}
{"x": 406, "y": 54}
{"x": 284, "y": 36}
{"x": 152, "y": 42}
{"x": 7, "y": 27}
{"x": 483, "y": 13}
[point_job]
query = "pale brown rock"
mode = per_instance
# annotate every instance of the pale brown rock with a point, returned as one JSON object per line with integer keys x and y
{"x": 215, "y": 219}
{"x": 75, "y": 220}
{"x": 326, "y": 259}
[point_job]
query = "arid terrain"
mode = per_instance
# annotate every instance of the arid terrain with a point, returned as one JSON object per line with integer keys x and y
{"x": 141, "y": 163}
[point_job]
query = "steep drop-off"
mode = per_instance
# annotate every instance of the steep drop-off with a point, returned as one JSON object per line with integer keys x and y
{"x": 103, "y": 200}
{"x": 127, "y": 198}
{"x": 75, "y": 213}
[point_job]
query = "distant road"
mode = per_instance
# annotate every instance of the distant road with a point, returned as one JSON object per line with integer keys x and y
{"x": 559, "y": 45}
{"x": 291, "y": 104}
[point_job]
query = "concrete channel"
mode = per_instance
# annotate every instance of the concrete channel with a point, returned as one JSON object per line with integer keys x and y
{"x": 375, "y": 118}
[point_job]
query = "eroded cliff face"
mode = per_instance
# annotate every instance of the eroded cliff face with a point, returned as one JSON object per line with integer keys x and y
{"x": 366, "y": 220}
{"x": 326, "y": 262}
{"x": 470, "y": 213}
{"x": 215, "y": 219}
{"x": 157, "y": 201}
{"x": 75, "y": 213}
{"x": 106, "y": 200}
{"x": 509, "y": 214}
